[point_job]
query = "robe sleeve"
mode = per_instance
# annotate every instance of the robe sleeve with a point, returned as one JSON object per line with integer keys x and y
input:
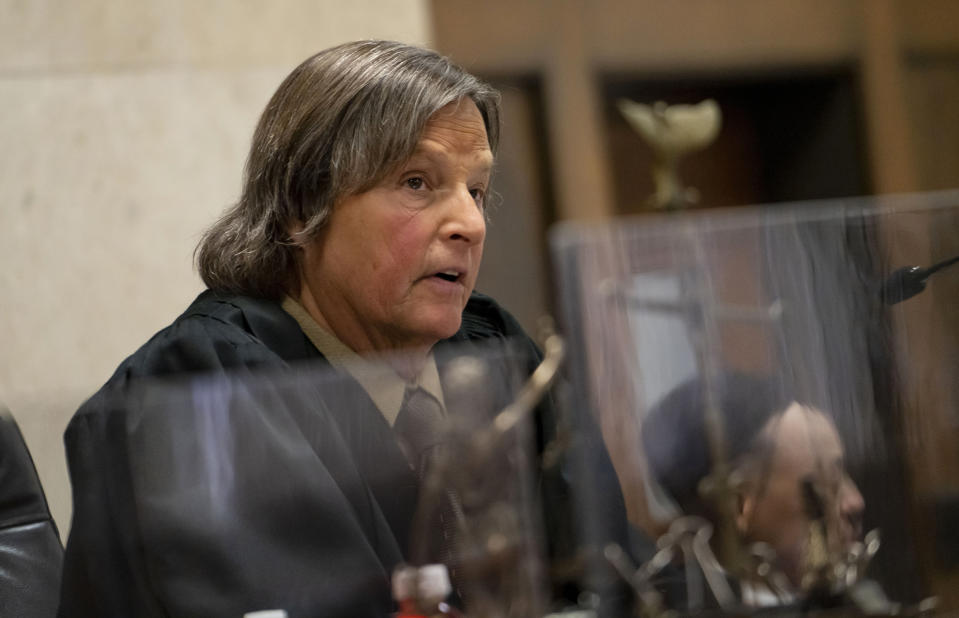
{"x": 219, "y": 493}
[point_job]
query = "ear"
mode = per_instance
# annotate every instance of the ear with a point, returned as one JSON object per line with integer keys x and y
{"x": 294, "y": 231}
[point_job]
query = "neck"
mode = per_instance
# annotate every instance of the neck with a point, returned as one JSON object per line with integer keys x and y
{"x": 408, "y": 367}
{"x": 406, "y": 359}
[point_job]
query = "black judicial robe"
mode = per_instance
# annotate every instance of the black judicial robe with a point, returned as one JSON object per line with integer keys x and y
{"x": 295, "y": 503}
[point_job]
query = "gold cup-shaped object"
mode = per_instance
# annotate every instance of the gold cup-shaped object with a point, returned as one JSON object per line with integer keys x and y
{"x": 672, "y": 131}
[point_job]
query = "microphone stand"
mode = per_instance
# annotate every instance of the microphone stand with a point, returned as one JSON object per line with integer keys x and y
{"x": 908, "y": 281}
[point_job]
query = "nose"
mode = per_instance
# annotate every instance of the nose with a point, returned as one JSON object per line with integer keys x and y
{"x": 851, "y": 504}
{"x": 466, "y": 220}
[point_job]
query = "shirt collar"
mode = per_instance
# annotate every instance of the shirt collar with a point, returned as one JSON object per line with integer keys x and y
{"x": 384, "y": 386}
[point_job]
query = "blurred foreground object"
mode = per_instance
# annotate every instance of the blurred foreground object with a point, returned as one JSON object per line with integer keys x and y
{"x": 422, "y": 592}
{"x": 673, "y": 131}
{"x": 792, "y": 292}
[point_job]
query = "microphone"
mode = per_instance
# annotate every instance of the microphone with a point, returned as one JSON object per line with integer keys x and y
{"x": 908, "y": 281}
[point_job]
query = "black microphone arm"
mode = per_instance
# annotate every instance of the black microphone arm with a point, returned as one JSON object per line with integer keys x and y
{"x": 909, "y": 281}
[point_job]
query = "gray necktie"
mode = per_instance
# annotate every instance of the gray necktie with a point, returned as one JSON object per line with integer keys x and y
{"x": 421, "y": 428}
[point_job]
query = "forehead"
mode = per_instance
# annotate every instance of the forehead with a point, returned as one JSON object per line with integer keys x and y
{"x": 804, "y": 437}
{"x": 457, "y": 128}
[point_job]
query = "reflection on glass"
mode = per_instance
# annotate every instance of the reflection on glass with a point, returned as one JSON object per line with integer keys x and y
{"x": 688, "y": 316}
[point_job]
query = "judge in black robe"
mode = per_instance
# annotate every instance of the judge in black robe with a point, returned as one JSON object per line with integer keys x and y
{"x": 244, "y": 487}
{"x": 319, "y": 502}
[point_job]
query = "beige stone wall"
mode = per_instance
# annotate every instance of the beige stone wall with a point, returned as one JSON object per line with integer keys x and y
{"x": 124, "y": 127}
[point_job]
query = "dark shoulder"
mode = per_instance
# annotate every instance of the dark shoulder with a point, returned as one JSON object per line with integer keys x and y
{"x": 216, "y": 332}
{"x": 484, "y": 318}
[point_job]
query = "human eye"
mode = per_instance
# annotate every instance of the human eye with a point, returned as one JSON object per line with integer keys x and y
{"x": 415, "y": 183}
{"x": 479, "y": 196}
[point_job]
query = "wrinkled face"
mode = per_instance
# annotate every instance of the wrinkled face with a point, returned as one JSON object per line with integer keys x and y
{"x": 394, "y": 266}
{"x": 805, "y": 446}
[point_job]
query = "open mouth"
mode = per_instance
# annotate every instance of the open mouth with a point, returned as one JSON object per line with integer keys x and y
{"x": 450, "y": 276}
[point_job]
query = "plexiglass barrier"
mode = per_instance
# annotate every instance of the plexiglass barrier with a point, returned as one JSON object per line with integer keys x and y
{"x": 778, "y": 388}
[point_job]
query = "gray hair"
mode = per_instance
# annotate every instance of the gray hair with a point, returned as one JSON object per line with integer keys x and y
{"x": 336, "y": 126}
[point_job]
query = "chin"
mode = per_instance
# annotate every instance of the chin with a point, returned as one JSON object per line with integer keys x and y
{"x": 444, "y": 326}
{"x": 431, "y": 323}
